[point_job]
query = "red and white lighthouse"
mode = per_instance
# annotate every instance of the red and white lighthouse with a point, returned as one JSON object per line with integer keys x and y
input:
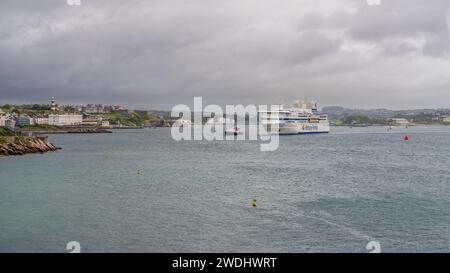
{"x": 53, "y": 105}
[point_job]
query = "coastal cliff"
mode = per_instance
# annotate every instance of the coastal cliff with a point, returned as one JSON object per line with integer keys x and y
{"x": 25, "y": 145}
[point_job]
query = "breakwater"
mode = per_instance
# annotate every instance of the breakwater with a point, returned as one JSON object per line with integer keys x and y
{"x": 25, "y": 145}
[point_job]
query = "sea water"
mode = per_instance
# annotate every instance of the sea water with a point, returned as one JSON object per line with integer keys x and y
{"x": 141, "y": 191}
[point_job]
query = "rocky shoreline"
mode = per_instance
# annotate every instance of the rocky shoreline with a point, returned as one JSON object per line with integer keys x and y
{"x": 67, "y": 130}
{"x": 26, "y": 145}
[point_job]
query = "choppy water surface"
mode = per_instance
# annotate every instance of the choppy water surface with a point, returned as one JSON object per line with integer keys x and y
{"x": 140, "y": 191}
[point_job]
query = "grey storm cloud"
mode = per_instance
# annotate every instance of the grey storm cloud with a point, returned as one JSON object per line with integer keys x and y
{"x": 155, "y": 54}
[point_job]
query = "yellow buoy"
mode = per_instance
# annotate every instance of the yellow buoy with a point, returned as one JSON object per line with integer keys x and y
{"x": 254, "y": 203}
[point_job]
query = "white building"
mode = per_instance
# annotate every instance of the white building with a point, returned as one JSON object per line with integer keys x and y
{"x": 41, "y": 120}
{"x": 446, "y": 119}
{"x": 65, "y": 120}
{"x": 400, "y": 121}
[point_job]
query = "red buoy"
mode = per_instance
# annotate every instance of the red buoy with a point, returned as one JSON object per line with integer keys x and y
{"x": 406, "y": 138}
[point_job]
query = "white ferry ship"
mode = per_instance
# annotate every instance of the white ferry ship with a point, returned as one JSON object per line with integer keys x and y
{"x": 300, "y": 118}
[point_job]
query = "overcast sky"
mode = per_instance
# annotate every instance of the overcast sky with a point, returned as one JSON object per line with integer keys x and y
{"x": 153, "y": 54}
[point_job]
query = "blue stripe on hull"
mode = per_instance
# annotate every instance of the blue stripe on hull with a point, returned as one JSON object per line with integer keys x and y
{"x": 311, "y": 133}
{"x": 303, "y": 133}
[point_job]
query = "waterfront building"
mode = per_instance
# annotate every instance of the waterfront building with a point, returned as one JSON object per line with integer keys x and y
{"x": 41, "y": 120}
{"x": 446, "y": 119}
{"x": 65, "y": 120}
{"x": 400, "y": 121}
{"x": 23, "y": 121}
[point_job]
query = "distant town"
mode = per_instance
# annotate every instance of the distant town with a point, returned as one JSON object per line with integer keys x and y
{"x": 52, "y": 117}
{"x": 49, "y": 117}
{"x": 340, "y": 116}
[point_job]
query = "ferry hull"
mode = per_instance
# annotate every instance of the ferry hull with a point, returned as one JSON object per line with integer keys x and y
{"x": 305, "y": 128}
{"x": 300, "y": 119}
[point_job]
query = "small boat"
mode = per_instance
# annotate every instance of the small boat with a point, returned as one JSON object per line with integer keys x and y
{"x": 182, "y": 123}
{"x": 234, "y": 131}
